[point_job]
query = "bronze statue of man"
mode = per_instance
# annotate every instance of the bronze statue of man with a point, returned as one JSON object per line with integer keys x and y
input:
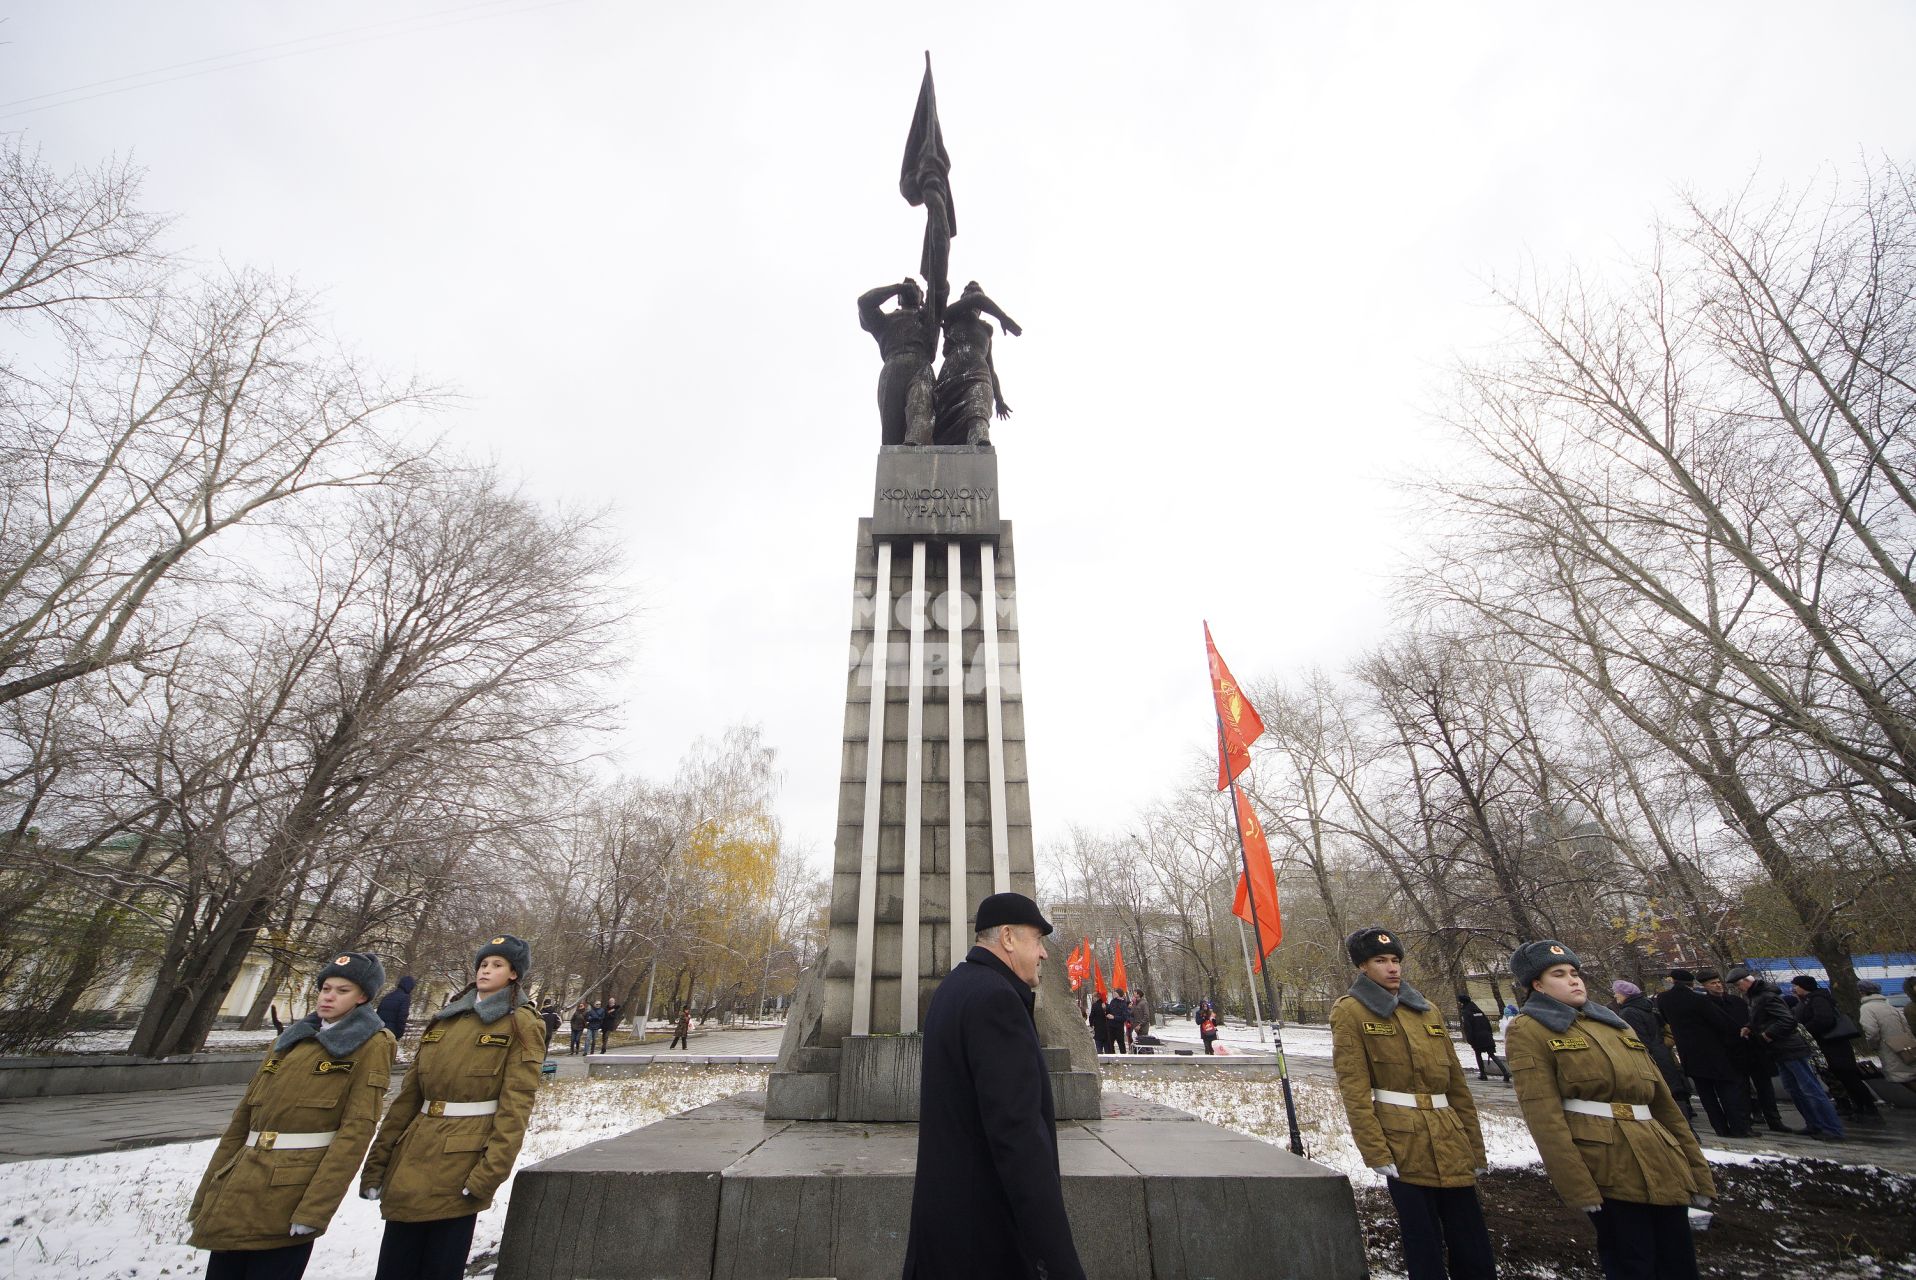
{"x": 968, "y": 391}
{"x": 906, "y": 336}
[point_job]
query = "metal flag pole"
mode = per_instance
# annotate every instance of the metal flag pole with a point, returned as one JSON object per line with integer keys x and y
{"x": 1270, "y": 1001}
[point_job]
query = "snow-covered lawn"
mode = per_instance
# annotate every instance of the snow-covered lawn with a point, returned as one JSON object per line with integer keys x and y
{"x": 118, "y": 1041}
{"x": 122, "y": 1216}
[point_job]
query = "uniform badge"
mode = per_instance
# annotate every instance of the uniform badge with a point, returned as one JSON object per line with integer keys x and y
{"x": 489, "y": 1039}
{"x": 1435, "y": 1029}
{"x": 330, "y": 1065}
{"x": 438, "y": 1033}
{"x": 1383, "y": 937}
{"x": 1556, "y": 951}
{"x": 1634, "y": 1043}
{"x": 1560, "y": 1043}
{"x": 271, "y": 1066}
{"x": 1380, "y": 1028}
{"x": 342, "y": 959}
{"x": 496, "y": 942}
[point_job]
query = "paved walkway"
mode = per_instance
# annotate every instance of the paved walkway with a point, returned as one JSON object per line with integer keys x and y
{"x": 47, "y": 1128}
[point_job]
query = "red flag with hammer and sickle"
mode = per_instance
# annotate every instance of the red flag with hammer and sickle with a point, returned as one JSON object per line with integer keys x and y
{"x": 1238, "y": 724}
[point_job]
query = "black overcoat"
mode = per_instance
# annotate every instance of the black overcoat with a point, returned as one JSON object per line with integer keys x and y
{"x": 1644, "y": 1019}
{"x": 1478, "y": 1033}
{"x": 1704, "y": 1032}
{"x": 987, "y": 1200}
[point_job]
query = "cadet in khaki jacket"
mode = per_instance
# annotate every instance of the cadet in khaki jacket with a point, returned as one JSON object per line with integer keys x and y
{"x": 1613, "y": 1140}
{"x": 1411, "y": 1112}
{"x": 296, "y": 1138}
{"x": 450, "y": 1137}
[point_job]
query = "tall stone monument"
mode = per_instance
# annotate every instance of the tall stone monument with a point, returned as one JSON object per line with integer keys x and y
{"x": 813, "y": 1178}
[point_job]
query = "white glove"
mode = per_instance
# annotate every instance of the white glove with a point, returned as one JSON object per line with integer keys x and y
{"x": 1388, "y": 1170}
{"x": 1592, "y": 1209}
{"x": 299, "y": 1229}
{"x": 1478, "y": 1173}
{"x": 467, "y": 1194}
{"x": 1700, "y": 1202}
{"x": 369, "y": 1193}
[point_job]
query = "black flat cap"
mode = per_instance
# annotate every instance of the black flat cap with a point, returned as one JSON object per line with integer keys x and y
{"x": 1010, "y": 908}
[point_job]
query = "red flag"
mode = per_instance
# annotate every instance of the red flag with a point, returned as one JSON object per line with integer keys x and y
{"x": 1078, "y": 965}
{"x": 1263, "y": 882}
{"x": 1238, "y": 724}
{"x": 1097, "y": 977}
{"x": 1118, "y": 979}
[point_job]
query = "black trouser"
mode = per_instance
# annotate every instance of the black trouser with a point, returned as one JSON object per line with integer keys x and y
{"x": 1726, "y": 1102}
{"x": 576, "y": 1033}
{"x": 681, "y": 1039}
{"x": 433, "y": 1250}
{"x": 1492, "y": 1055}
{"x": 1841, "y": 1055}
{"x": 1644, "y": 1241}
{"x": 1439, "y": 1220}
{"x": 605, "y": 1038}
{"x": 1763, "y": 1082}
{"x": 1209, "y": 1041}
{"x": 288, "y": 1262}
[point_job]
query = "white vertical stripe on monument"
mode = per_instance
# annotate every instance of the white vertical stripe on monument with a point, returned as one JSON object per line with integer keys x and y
{"x": 914, "y": 796}
{"x": 955, "y": 601}
{"x": 994, "y": 717}
{"x": 874, "y": 786}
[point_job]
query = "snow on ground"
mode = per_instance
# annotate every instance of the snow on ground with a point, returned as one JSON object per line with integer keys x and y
{"x": 119, "y": 1041}
{"x": 122, "y": 1216}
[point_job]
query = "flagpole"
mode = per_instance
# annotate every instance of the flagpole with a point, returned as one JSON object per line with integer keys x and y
{"x": 1250, "y": 895}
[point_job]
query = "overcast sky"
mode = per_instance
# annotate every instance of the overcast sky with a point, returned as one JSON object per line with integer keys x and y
{"x": 1245, "y": 243}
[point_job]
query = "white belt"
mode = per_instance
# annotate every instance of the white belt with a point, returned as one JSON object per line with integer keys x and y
{"x": 1608, "y": 1110}
{"x": 273, "y": 1140}
{"x": 461, "y": 1108}
{"x": 1431, "y": 1101}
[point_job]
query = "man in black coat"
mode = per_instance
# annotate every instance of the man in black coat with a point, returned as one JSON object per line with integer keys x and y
{"x": 1749, "y": 1053}
{"x": 1836, "y": 1035}
{"x": 1116, "y": 1014}
{"x": 1100, "y": 1030}
{"x": 396, "y": 1006}
{"x": 987, "y": 1199}
{"x": 1705, "y": 1042}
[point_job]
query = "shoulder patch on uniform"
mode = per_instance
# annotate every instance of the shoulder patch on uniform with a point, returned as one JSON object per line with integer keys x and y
{"x": 270, "y": 1066}
{"x": 437, "y": 1033}
{"x": 1380, "y": 1028}
{"x": 329, "y": 1065}
{"x": 1435, "y": 1029}
{"x": 1634, "y": 1043}
{"x": 493, "y": 1039}
{"x": 1560, "y": 1043}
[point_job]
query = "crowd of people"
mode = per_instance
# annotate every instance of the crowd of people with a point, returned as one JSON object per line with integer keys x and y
{"x": 1605, "y": 1091}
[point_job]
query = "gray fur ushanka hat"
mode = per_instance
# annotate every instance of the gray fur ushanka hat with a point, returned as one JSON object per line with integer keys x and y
{"x": 516, "y": 952}
{"x": 361, "y": 968}
{"x": 1528, "y": 962}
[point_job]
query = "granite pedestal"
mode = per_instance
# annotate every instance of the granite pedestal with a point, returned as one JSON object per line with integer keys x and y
{"x": 724, "y": 1192}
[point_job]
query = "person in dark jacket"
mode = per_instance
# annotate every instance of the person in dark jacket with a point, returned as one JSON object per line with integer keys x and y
{"x": 682, "y": 1030}
{"x": 1116, "y": 1014}
{"x": 1636, "y": 1009}
{"x": 580, "y": 1015}
{"x": 594, "y": 1019}
{"x": 1100, "y": 1026}
{"x": 609, "y": 1022}
{"x": 1704, "y": 1036}
{"x": 1480, "y": 1035}
{"x": 987, "y": 1198}
{"x": 1206, "y": 1018}
{"x": 396, "y": 1006}
{"x": 1748, "y": 1053}
{"x": 549, "y": 1014}
{"x": 1836, "y": 1036}
{"x": 1772, "y": 1023}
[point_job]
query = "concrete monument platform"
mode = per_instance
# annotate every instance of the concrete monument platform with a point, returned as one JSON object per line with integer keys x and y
{"x": 724, "y": 1192}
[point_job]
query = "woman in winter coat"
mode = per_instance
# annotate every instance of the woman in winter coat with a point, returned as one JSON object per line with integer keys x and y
{"x": 285, "y": 1161}
{"x": 1481, "y": 1036}
{"x": 1612, "y": 1139}
{"x": 450, "y": 1137}
{"x": 1640, "y": 1012}
{"x": 1837, "y": 1036}
{"x": 609, "y": 1022}
{"x": 1884, "y": 1028}
{"x": 1205, "y": 1015}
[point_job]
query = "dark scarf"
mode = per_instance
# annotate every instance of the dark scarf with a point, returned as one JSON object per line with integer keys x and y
{"x": 341, "y": 1039}
{"x": 1558, "y": 1016}
{"x": 1383, "y": 1003}
{"x": 489, "y": 1008}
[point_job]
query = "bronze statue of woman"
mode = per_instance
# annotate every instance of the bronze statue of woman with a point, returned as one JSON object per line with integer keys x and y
{"x": 968, "y": 390}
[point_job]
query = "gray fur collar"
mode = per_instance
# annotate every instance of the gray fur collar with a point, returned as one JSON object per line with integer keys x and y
{"x": 489, "y": 1008}
{"x": 1384, "y": 1003}
{"x": 342, "y": 1038}
{"x": 1558, "y": 1016}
